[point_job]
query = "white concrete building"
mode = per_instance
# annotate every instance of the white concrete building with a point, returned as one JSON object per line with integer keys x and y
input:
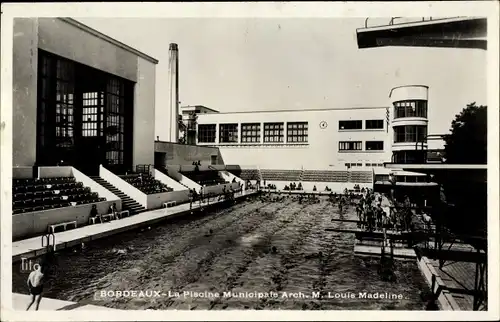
{"x": 322, "y": 139}
{"x": 81, "y": 97}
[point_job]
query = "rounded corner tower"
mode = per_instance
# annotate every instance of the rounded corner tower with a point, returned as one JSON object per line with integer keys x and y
{"x": 409, "y": 122}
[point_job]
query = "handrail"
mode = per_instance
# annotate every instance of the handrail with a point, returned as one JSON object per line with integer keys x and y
{"x": 392, "y": 21}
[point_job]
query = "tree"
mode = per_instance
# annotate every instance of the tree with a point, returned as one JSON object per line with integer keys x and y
{"x": 467, "y": 143}
{"x": 467, "y": 191}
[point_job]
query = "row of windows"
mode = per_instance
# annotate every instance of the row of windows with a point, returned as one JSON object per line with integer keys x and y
{"x": 358, "y": 125}
{"x": 358, "y": 145}
{"x": 410, "y": 133}
{"x": 354, "y": 165}
{"x": 414, "y": 108}
{"x": 251, "y": 132}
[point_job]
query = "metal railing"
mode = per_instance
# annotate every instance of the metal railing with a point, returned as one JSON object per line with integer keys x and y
{"x": 397, "y": 20}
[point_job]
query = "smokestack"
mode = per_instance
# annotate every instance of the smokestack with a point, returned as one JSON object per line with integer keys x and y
{"x": 174, "y": 92}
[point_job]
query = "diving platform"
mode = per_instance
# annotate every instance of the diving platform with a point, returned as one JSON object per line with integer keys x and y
{"x": 455, "y": 32}
{"x": 397, "y": 253}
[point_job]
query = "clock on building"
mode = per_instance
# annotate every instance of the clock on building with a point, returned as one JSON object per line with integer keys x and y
{"x": 323, "y": 125}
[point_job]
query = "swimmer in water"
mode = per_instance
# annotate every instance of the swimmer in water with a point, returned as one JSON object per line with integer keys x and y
{"x": 35, "y": 286}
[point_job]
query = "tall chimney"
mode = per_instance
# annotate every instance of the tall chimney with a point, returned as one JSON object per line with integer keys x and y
{"x": 174, "y": 92}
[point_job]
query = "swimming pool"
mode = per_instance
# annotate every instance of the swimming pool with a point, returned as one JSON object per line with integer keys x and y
{"x": 253, "y": 255}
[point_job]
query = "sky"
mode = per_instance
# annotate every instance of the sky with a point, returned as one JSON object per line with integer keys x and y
{"x": 255, "y": 64}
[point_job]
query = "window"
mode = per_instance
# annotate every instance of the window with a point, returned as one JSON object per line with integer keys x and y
{"x": 64, "y": 104}
{"x": 90, "y": 113}
{"x": 228, "y": 133}
{"x": 374, "y": 124}
{"x": 55, "y": 110}
{"x": 407, "y": 157}
{"x": 350, "y": 125}
{"x": 82, "y": 111}
{"x": 416, "y": 108}
{"x": 115, "y": 121}
{"x": 374, "y": 145}
{"x": 296, "y": 131}
{"x": 350, "y": 146}
{"x": 410, "y": 133}
{"x": 206, "y": 133}
{"x": 273, "y": 132}
{"x": 250, "y": 133}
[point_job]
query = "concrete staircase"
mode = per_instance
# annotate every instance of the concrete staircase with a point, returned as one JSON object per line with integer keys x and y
{"x": 127, "y": 203}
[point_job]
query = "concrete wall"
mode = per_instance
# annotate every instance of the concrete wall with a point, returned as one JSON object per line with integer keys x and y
{"x": 95, "y": 187}
{"x": 168, "y": 181}
{"x": 124, "y": 186}
{"x": 322, "y": 148}
{"x": 144, "y": 113}
{"x": 216, "y": 190}
{"x": 186, "y": 154}
{"x": 35, "y": 223}
{"x": 68, "y": 41}
{"x": 173, "y": 172}
{"x": 54, "y": 172}
{"x": 24, "y": 99}
{"x": 156, "y": 200}
{"x": 22, "y": 173}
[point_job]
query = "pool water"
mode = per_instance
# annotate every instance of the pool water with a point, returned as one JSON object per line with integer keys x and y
{"x": 278, "y": 249}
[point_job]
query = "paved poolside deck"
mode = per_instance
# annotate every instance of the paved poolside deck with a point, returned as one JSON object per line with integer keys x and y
{"x": 32, "y": 247}
{"x": 456, "y": 278}
{"x": 21, "y": 301}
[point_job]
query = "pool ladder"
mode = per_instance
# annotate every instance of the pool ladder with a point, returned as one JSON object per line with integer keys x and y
{"x": 49, "y": 240}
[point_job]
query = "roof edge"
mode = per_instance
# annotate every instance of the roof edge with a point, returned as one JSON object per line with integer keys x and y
{"x": 104, "y": 37}
{"x": 306, "y": 110}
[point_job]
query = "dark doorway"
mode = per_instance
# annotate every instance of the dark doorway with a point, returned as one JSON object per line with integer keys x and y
{"x": 160, "y": 160}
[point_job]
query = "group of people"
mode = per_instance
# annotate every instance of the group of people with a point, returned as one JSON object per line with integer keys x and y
{"x": 226, "y": 194}
{"x": 94, "y": 213}
{"x": 372, "y": 216}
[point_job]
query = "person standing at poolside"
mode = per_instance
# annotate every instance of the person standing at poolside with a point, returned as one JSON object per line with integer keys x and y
{"x": 191, "y": 195}
{"x": 35, "y": 285}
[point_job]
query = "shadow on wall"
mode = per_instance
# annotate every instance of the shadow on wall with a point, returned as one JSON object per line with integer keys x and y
{"x": 168, "y": 153}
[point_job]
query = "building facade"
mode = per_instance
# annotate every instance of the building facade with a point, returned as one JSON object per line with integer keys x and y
{"x": 322, "y": 139}
{"x": 80, "y": 97}
{"x": 409, "y": 122}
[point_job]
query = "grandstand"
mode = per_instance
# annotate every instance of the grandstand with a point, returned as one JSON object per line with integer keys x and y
{"x": 146, "y": 183}
{"x": 247, "y": 174}
{"x": 48, "y": 193}
{"x": 325, "y": 176}
{"x": 281, "y": 175}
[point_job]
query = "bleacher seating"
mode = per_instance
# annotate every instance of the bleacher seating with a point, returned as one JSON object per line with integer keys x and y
{"x": 49, "y": 193}
{"x": 246, "y": 174}
{"x": 146, "y": 183}
{"x": 361, "y": 177}
{"x": 281, "y": 175}
{"x": 205, "y": 178}
{"x": 325, "y": 176}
